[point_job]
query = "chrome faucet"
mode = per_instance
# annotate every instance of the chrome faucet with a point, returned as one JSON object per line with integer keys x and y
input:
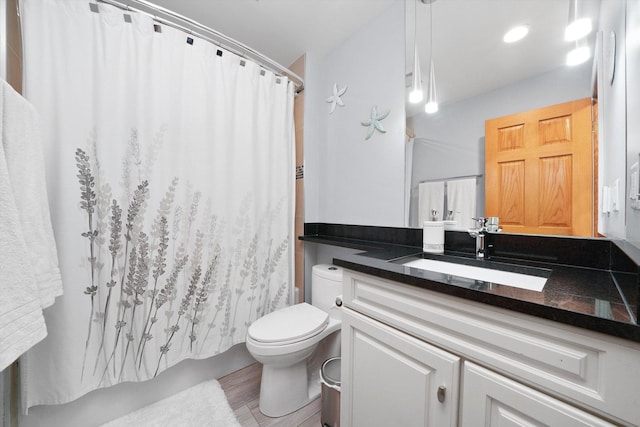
{"x": 480, "y": 233}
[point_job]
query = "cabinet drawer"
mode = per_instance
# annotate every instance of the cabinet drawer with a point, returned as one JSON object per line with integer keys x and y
{"x": 591, "y": 370}
{"x": 491, "y": 400}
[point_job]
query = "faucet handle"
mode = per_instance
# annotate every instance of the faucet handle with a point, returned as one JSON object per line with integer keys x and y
{"x": 481, "y": 222}
{"x": 493, "y": 224}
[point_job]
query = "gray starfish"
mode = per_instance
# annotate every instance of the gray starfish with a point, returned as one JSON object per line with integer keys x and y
{"x": 374, "y": 122}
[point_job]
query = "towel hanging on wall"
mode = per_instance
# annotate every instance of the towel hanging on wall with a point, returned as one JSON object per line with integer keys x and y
{"x": 30, "y": 277}
{"x": 430, "y": 197}
{"x": 461, "y": 199}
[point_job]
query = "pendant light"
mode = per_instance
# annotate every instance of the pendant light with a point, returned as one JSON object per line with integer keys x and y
{"x": 416, "y": 93}
{"x": 432, "y": 103}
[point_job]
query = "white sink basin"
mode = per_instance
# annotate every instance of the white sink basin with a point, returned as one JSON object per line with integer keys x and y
{"x": 499, "y": 277}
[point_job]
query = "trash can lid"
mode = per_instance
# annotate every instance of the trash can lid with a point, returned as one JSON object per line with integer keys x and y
{"x": 330, "y": 371}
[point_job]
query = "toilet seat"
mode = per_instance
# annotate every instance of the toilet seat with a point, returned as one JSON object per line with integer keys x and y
{"x": 289, "y": 325}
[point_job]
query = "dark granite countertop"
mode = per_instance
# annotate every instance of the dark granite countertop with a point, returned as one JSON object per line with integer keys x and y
{"x": 600, "y": 299}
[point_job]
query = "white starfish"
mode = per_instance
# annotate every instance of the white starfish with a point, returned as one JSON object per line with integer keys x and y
{"x": 374, "y": 122}
{"x": 335, "y": 98}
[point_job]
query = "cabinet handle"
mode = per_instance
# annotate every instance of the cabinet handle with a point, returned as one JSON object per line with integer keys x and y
{"x": 442, "y": 390}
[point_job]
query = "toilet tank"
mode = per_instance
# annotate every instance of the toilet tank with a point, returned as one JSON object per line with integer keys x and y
{"x": 326, "y": 285}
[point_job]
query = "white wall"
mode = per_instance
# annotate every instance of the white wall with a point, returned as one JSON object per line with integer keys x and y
{"x": 3, "y": 39}
{"x": 633, "y": 109}
{"x": 4, "y": 378}
{"x": 349, "y": 180}
{"x": 450, "y": 142}
{"x": 612, "y": 115}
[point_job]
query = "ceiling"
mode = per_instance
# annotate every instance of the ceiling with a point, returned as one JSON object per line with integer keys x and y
{"x": 469, "y": 55}
{"x": 282, "y": 30}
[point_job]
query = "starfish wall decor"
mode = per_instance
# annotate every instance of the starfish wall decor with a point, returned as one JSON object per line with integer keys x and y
{"x": 373, "y": 123}
{"x": 335, "y": 98}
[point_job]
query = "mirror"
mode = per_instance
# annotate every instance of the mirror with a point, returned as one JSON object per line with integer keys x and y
{"x": 479, "y": 77}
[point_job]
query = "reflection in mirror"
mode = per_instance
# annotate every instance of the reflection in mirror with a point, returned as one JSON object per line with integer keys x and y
{"x": 479, "y": 77}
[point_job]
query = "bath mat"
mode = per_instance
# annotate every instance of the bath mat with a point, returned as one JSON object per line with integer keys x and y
{"x": 202, "y": 405}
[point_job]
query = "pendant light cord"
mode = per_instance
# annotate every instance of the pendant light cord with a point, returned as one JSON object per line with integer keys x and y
{"x": 432, "y": 104}
{"x": 416, "y": 93}
{"x": 431, "y": 32}
{"x": 415, "y": 26}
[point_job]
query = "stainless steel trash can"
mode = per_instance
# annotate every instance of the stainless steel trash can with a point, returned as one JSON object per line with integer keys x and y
{"x": 330, "y": 393}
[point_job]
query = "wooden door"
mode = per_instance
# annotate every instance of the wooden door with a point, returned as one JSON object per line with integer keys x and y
{"x": 539, "y": 170}
{"x": 390, "y": 378}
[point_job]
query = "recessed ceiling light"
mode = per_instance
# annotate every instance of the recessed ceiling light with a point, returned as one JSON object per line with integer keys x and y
{"x": 516, "y": 33}
{"x": 578, "y": 55}
{"x": 577, "y": 29}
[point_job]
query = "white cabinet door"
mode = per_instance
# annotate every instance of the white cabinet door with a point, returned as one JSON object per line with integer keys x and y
{"x": 392, "y": 379}
{"x": 489, "y": 399}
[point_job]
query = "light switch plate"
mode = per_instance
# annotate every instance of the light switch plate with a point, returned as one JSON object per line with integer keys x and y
{"x": 637, "y": 180}
{"x": 606, "y": 199}
{"x": 634, "y": 185}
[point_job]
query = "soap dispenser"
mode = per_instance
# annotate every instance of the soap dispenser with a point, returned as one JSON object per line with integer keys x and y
{"x": 433, "y": 235}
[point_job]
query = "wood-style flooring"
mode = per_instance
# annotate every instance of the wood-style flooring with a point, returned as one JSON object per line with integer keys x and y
{"x": 243, "y": 390}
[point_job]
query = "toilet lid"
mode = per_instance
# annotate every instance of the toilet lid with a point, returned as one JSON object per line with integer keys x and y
{"x": 289, "y": 324}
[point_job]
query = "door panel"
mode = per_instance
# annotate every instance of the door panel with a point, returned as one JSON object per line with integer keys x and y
{"x": 555, "y": 191}
{"x": 511, "y": 137}
{"x": 555, "y": 130}
{"x": 512, "y": 182}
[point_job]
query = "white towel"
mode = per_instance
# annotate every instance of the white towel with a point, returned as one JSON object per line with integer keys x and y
{"x": 430, "y": 197}
{"x": 29, "y": 274}
{"x": 461, "y": 199}
{"x": 21, "y": 321}
{"x": 22, "y": 145}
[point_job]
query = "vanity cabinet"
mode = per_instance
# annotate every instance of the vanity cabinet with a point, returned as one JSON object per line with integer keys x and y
{"x": 402, "y": 346}
{"x": 394, "y": 378}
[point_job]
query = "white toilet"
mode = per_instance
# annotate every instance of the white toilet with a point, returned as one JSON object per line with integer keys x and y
{"x": 292, "y": 343}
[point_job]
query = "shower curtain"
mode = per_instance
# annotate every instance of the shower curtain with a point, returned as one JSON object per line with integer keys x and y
{"x": 170, "y": 171}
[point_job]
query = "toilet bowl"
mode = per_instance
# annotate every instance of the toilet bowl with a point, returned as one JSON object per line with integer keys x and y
{"x": 292, "y": 342}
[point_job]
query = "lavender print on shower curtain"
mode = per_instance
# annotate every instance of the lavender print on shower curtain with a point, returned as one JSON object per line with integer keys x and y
{"x": 170, "y": 173}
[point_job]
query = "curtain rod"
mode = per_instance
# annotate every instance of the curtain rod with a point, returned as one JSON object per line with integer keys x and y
{"x": 219, "y": 39}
